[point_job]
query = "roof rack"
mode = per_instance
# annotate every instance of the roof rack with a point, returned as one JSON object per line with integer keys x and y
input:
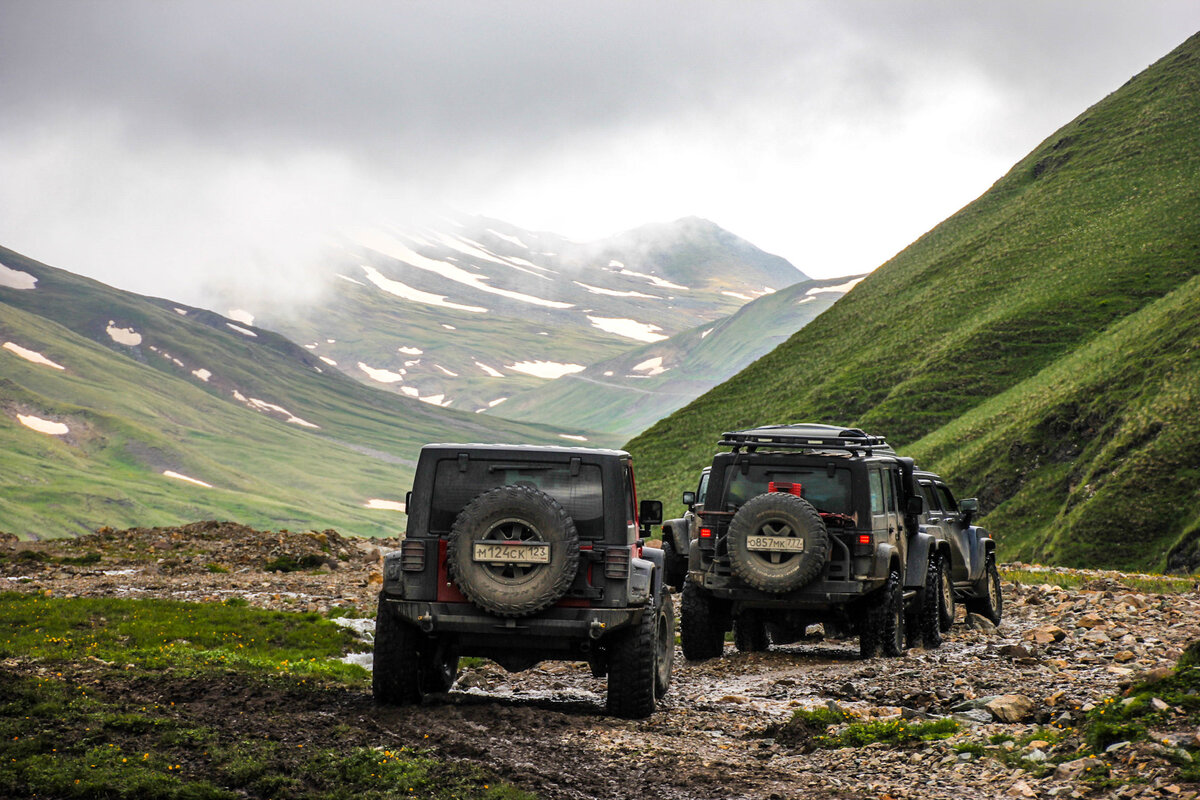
{"x": 805, "y": 436}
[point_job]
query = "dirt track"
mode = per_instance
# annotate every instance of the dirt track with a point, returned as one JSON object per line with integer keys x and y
{"x": 717, "y": 734}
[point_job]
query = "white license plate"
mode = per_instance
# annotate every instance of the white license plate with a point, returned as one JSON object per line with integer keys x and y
{"x": 511, "y": 553}
{"x": 776, "y": 544}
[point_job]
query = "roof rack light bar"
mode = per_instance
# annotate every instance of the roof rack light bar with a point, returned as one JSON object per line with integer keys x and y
{"x": 803, "y": 438}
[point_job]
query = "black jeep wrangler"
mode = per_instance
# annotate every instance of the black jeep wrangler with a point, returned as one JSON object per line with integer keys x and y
{"x": 967, "y": 553}
{"x": 522, "y": 554}
{"x": 800, "y": 524}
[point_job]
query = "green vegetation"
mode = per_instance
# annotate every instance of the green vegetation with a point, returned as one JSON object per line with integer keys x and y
{"x": 1037, "y": 348}
{"x": 132, "y": 699}
{"x": 1149, "y": 584}
{"x": 811, "y": 727}
{"x": 133, "y": 414}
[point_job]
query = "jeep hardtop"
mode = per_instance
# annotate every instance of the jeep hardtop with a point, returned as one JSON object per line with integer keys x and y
{"x": 523, "y": 554}
{"x": 804, "y": 524}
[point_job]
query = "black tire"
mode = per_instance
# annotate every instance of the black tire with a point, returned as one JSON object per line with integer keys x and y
{"x": 701, "y": 627}
{"x": 674, "y": 564}
{"x": 948, "y": 607}
{"x": 990, "y": 602}
{"x": 882, "y": 626}
{"x": 639, "y": 662}
{"x": 750, "y": 633}
{"x": 439, "y": 669}
{"x": 776, "y": 514}
{"x": 513, "y": 514}
{"x": 929, "y": 614}
{"x": 396, "y": 669}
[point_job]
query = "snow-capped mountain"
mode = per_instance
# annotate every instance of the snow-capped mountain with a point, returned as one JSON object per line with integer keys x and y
{"x": 470, "y": 311}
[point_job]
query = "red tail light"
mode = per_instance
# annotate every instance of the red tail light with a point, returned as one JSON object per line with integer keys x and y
{"x": 864, "y": 538}
{"x": 706, "y": 533}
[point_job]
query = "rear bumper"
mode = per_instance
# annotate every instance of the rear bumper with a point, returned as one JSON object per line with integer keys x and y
{"x": 816, "y": 595}
{"x": 463, "y": 620}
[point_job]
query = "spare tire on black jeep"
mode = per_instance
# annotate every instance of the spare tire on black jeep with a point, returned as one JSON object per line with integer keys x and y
{"x": 513, "y": 551}
{"x": 777, "y": 542}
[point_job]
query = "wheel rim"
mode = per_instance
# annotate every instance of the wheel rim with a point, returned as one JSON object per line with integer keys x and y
{"x": 664, "y": 643}
{"x": 511, "y": 529}
{"x": 947, "y": 593}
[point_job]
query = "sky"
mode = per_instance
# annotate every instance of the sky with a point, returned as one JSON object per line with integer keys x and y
{"x": 167, "y": 146}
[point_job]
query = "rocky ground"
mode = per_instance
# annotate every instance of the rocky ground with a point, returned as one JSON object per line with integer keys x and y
{"x": 1018, "y": 691}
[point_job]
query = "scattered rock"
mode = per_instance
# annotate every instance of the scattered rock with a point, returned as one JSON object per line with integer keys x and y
{"x": 980, "y": 623}
{"x": 1070, "y": 770}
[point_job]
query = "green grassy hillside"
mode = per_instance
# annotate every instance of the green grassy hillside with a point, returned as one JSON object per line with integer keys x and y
{"x": 279, "y": 441}
{"x": 1036, "y": 346}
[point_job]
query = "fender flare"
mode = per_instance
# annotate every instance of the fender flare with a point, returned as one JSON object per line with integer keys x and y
{"x": 677, "y": 529}
{"x": 658, "y": 559}
{"x": 887, "y": 557}
{"x": 919, "y": 548}
{"x": 982, "y": 544}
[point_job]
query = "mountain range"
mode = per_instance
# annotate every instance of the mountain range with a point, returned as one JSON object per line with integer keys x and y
{"x": 1040, "y": 348}
{"x": 120, "y": 409}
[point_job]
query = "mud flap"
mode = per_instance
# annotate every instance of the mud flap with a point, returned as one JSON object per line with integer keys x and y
{"x": 919, "y": 547}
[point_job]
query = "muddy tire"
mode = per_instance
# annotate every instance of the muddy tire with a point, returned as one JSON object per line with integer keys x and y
{"x": 701, "y": 625}
{"x": 882, "y": 626}
{"x": 929, "y": 609}
{"x": 750, "y": 633}
{"x": 439, "y": 669}
{"x": 674, "y": 564}
{"x": 990, "y": 602}
{"x": 784, "y": 519}
{"x": 948, "y": 607}
{"x": 396, "y": 673}
{"x": 510, "y": 516}
{"x": 639, "y": 662}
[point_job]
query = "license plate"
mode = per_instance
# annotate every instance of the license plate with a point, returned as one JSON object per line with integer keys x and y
{"x": 776, "y": 544}
{"x": 514, "y": 553}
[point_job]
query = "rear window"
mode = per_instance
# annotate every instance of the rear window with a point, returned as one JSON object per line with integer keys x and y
{"x": 581, "y": 493}
{"x": 827, "y": 492}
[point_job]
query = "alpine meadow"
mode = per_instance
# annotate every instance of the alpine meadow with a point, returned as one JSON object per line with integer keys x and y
{"x": 1040, "y": 346}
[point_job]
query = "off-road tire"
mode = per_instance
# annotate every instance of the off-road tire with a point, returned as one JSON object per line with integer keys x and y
{"x": 639, "y": 662}
{"x": 674, "y": 564}
{"x": 701, "y": 625}
{"x": 777, "y": 514}
{"x": 946, "y": 583}
{"x": 513, "y": 513}
{"x": 396, "y": 671}
{"x": 929, "y": 616}
{"x": 439, "y": 669}
{"x": 990, "y": 602}
{"x": 750, "y": 633}
{"x": 882, "y": 626}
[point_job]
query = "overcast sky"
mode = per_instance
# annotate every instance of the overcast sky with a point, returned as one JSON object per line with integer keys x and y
{"x": 158, "y": 145}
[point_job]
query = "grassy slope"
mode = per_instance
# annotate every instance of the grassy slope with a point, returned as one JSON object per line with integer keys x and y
{"x": 1096, "y": 225}
{"x": 134, "y": 414}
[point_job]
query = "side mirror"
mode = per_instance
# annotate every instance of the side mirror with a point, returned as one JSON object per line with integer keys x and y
{"x": 650, "y": 512}
{"x": 969, "y": 506}
{"x": 916, "y": 505}
{"x": 689, "y": 499}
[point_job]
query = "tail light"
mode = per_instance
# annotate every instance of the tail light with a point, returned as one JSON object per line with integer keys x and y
{"x": 786, "y": 488}
{"x": 616, "y": 563}
{"x": 706, "y": 533}
{"x": 412, "y": 555}
{"x": 864, "y": 544}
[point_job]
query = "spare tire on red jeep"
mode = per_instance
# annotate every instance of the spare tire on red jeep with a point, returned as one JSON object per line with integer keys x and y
{"x": 777, "y": 542}
{"x": 513, "y": 551}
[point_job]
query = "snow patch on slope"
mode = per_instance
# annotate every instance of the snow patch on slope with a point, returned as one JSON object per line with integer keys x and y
{"x": 241, "y": 330}
{"x": 179, "y": 477}
{"x": 841, "y": 287}
{"x": 614, "y": 292}
{"x": 125, "y": 336}
{"x": 241, "y": 315}
{"x": 651, "y": 367}
{"x": 43, "y": 425}
{"x": 545, "y": 369}
{"x": 384, "y": 505}
{"x": 381, "y": 375}
{"x": 16, "y": 279}
{"x": 403, "y": 290}
{"x": 630, "y": 329}
{"x": 202, "y": 374}
{"x": 31, "y": 355}
{"x": 491, "y": 373}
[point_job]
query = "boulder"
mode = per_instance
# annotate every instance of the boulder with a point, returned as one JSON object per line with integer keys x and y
{"x": 1011, "y": 708}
